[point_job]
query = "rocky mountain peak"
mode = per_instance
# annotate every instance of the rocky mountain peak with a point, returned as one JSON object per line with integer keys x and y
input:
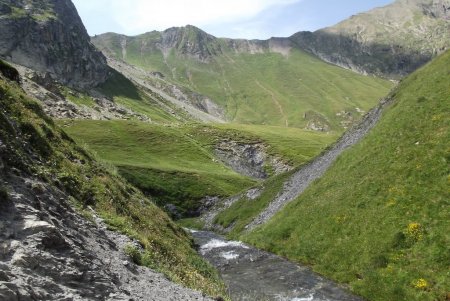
{"x": 191, "y": 41}
{"x": 48, "y": 36}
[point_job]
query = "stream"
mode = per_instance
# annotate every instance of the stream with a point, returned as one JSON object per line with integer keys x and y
{"x": 252, "y": 274}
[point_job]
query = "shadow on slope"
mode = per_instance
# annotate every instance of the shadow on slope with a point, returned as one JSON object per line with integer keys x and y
{"x": 392, "y": 61}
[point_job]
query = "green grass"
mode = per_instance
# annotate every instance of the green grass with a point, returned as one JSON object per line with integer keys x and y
{"x": 176, "y": 164}
{"x": 191, "y": 223}
{"x": 163, "y": 161}
{"x": 242, "y": 212}
{"x": 35, "y": 146}
{"x": 294, "y": 145}
{"x": 264, "y": 88}
{"x": 78, "y": 98}
{"x": 379, "y": 219}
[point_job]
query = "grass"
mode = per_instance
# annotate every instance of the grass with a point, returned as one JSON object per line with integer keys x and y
{"x": 264, "y": 88}
{"x": 378, "y": 220}
{"x": 42, "y": 12}
{"x": 78, "y": 98}
{"x": 294, "y": 145}
{"x": 176, "y": 164}
{"x": 163, "y": 161}
{"x": 242, "y": 212}
{"x": 34, "y": 145}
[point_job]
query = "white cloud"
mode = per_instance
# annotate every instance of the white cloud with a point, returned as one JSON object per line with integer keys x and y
{"x": 138, "y": 16}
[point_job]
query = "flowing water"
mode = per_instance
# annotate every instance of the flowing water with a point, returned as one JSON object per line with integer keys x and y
{"x": 256, "y": 275}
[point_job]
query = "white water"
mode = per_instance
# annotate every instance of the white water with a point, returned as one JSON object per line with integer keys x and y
{"x": 216, "y": 243}
{"x": 229, "y": 255}
{"x": 310, "y": 298}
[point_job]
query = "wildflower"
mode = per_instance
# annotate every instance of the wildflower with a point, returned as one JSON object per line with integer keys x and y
{"x": 420, "y": 283}
{"x": 415, "y": 231}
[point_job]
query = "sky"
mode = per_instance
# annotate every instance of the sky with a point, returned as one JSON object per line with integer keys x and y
{"x": 249, "y": 19}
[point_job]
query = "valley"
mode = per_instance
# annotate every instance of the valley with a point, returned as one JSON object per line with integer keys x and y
{"x": 319, "y": 162}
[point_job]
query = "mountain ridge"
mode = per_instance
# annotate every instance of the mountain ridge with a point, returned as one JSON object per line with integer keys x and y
{"x": 256, "y": 82}
{"x": 419, "y": 31}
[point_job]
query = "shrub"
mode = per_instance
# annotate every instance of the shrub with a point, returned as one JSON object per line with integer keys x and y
{"x": 3, "y": 194}
{"x": 134, "y": 253}
{"x": 9, "y": 71}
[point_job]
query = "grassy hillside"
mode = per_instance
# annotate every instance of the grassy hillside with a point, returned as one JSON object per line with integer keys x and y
{"x": 284, "y": 87}
{"x": 31, "y": 145}
{"x": 176, "y": 164}
{"x": 379, "y": 219}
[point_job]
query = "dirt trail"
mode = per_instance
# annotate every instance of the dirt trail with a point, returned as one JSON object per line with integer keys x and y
{"x": 275, "y": 101}
{"x": 316, "y": 168}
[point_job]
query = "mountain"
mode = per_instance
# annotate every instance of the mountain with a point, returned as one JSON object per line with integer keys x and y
{"x": 49, "y": 37}
{"x": 256, "y": 82}
{"x": 390, "y": 41}
{"x": 58, "y": 206}
{"x": 378, "y": 219}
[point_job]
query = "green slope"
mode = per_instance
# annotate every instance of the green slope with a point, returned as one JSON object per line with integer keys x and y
{"x": 33, "y": 146}
{"x": 274, "y": 85}
{"x": 176, "y": 164}
{"x": 379, "y": 219}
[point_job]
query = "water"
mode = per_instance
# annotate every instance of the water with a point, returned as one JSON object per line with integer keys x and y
{"x": 252, "y": 274}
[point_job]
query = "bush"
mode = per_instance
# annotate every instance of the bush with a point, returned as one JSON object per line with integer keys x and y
{"x": 9, "y": 71}
{"x": 134, "y": 253}
{"x": 4, "y": 196}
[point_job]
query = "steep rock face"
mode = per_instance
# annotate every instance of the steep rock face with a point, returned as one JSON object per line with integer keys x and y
{"x": 391, "y": 41}
{"x": 49, "y": 36}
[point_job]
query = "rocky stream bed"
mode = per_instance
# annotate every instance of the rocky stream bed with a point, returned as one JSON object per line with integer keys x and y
{"x": 251, "y": 274}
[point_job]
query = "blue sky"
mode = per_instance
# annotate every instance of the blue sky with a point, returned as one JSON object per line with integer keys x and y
{"x": 251, "y": 19}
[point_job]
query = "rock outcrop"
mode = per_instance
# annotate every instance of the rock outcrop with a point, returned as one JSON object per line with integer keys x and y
{"x": 48, "y": 36}
{"x": 49, "y": 252}
{"x": 251, "y": 160}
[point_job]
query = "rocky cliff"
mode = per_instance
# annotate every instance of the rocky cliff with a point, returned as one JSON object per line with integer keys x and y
{"x": 391, "y": 41}
{"x": 48, "y": 36}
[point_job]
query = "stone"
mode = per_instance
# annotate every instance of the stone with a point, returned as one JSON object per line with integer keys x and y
{"x": 56, "y": 43}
